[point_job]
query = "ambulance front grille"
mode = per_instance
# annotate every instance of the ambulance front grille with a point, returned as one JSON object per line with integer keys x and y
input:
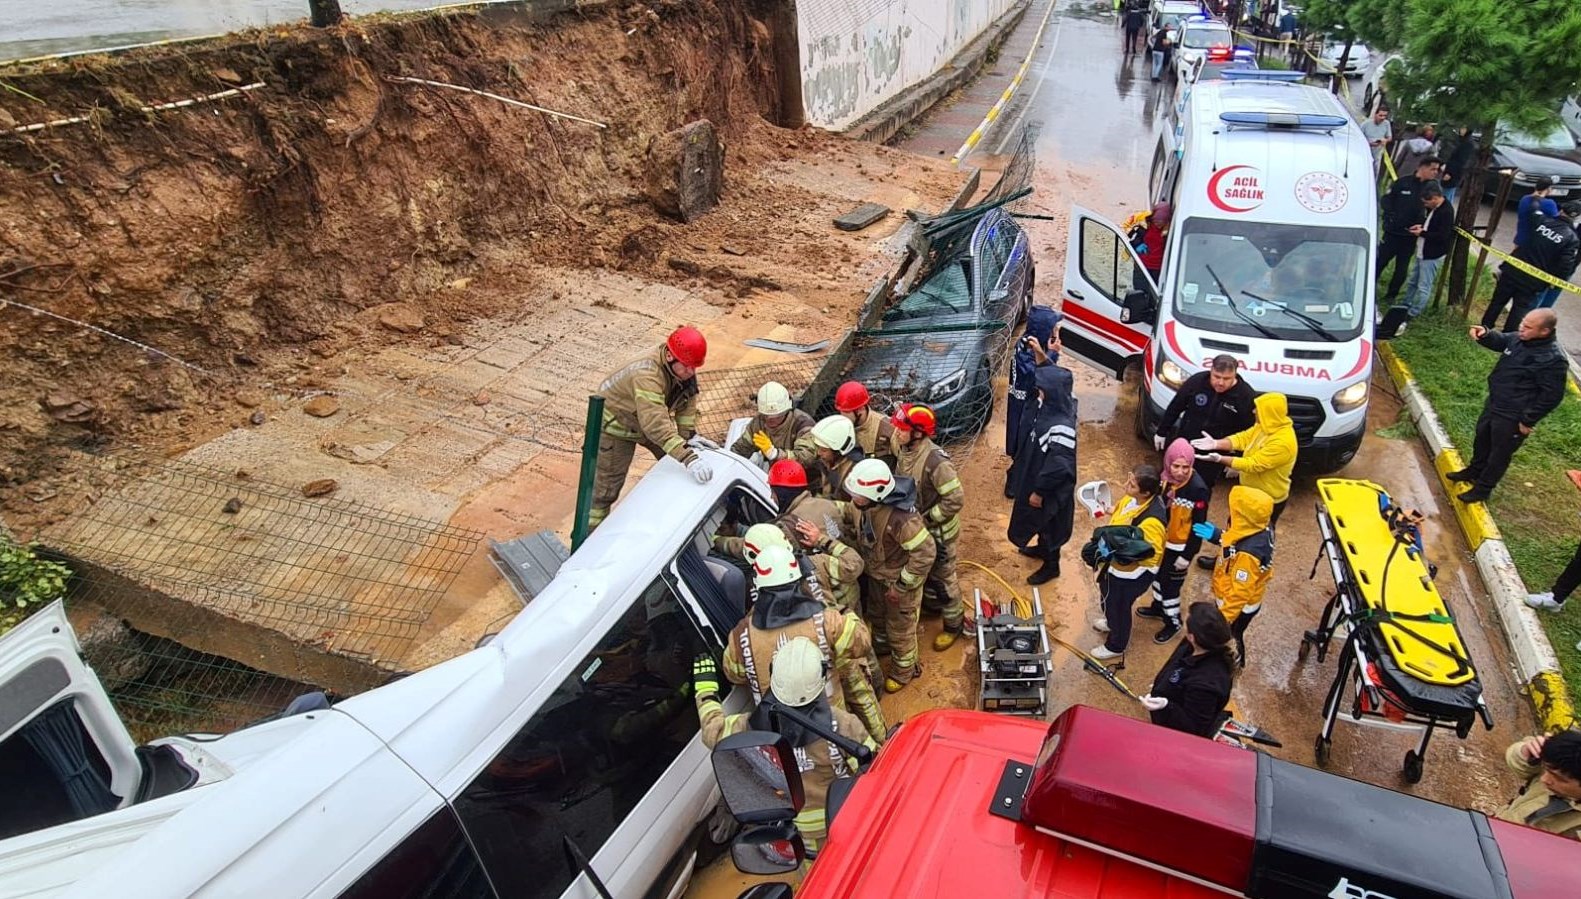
{"x": 1307, "y": 415}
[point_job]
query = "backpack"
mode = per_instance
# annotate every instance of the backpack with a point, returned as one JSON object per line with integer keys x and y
{"x": 1111, "y": 543}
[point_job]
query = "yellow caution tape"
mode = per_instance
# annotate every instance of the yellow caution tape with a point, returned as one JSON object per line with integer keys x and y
{"x": 1523, "y": 265}
{"x": 1388, "y": 166}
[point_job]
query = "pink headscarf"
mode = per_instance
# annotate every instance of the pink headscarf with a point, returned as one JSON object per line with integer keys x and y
{"x": 1177, "y": 450}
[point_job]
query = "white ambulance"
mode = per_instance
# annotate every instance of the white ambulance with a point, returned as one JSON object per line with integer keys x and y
{"x": 1269, "y": 258}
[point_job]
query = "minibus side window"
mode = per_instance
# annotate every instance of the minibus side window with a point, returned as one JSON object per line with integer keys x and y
{"x": 435, "y": 861}
{"x": 1104, "y": 262}
{"x": 599, "y": 743}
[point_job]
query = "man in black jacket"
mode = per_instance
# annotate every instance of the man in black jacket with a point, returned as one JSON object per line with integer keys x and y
{"x": 1216, "y": 402}
{"x": 1527, "y": 383}
{"x": 1552, "y": 246}
{"x": 1436, "y": 234}
{"x": 1402, "y": 209}
{"x": 1043, "y": 477}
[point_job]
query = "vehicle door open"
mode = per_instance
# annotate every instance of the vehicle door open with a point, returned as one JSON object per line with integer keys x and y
{"x": 1111, "y": 303}
{"x": 66, "y": 754}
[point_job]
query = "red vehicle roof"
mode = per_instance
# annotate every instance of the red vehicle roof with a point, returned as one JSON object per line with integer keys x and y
{"x": 929, "y": 792}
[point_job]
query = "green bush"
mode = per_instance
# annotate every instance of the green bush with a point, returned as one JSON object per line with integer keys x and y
{"x": 27, "y": 580}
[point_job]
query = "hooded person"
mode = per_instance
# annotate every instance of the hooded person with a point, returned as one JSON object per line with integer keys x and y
{"x": 1267, "y": 451}
{"x": 1246, "y": 565}
{"x": 1023, "y": 403}
{"x": 1043, "y": 476}
{"x": 799, "y": 680}
{"x": 1186, "y": 504}
{"x": 785, "y": 608}
{"x": 898, "y": 552}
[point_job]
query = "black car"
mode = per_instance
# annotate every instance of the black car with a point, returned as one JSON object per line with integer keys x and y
{"x": 941, "y": 343}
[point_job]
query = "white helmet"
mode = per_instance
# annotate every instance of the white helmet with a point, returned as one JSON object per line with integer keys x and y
{"x": 835, "y": 433}
{"x": 773, "y": 399}
{"x": 761, "y": 536}
{"x": 775, "y": 566}
{"x": 870, "y": 479}
{"x": 797, "y": 673}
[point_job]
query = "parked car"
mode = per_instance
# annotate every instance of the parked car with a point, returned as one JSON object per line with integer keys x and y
{"x": 1199, "y": 38}
{"x": 1550, "y": 153}
{"x": 1375, "y": 85}
{"x": 940, "y": 342}
{"x": 573, "y": 727}
{"x": 1357, "y": 61}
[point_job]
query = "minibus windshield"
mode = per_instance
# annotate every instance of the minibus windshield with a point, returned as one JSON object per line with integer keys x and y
{"x": 1258, "y": 279}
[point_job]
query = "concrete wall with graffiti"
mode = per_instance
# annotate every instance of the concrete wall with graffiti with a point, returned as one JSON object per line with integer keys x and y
{"x": 855, "y": 54}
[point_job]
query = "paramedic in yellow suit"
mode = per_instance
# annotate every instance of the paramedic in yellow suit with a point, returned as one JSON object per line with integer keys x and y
{"x": 1246, "y": 564}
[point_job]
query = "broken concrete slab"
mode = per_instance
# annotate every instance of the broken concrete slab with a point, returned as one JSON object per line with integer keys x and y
{"x": 686, "y": 170}
{"x": 861, "y": 217}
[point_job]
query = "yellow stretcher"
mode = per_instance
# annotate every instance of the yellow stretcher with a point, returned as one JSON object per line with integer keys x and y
{"x": 1404, "y": 664}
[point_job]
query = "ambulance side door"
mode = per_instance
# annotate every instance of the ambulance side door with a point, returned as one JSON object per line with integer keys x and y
{"x": 1107, "y": 295}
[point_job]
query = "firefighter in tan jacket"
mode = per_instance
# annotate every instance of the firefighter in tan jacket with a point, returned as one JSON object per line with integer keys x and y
{"x": 799, "y": 681}
{"x": 940, "y": 500}
{"x": 898, "y": 552}
{"x": 785, "y": 608}
{"x": 652, "y": 402}
{"x": 1551, "y": 800}
{"x": 778, "y": 431}
{"x": 874, "y": 433}
{"x": 834, "y": 442}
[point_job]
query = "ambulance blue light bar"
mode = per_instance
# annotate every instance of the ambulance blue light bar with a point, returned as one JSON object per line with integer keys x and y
{"x": 1292, "y": 77}
{"x": 1298, "y": 120}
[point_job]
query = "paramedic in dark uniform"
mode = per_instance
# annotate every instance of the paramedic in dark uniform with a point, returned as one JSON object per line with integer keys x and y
{"x": 1216, "y": 402}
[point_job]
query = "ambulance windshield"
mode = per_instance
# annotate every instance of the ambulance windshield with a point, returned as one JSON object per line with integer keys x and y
{"x": 1257, "y": 279}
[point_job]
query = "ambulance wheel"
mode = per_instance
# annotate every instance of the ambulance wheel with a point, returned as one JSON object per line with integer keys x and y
{"x": 1320, "y": 752}
{"x": 1413, "y": 767}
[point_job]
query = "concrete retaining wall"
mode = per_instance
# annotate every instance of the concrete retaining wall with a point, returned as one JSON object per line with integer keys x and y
{"x": 856, "y": 54}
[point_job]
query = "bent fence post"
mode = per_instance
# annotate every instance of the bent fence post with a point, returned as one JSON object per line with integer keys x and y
{"x": 584, "y": 487}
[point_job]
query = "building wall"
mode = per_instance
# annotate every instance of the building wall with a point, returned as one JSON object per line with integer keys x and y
{"x": 855, "y": 54}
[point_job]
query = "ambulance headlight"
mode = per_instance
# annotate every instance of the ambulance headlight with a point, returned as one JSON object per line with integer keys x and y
{"x": 1352, "y": 397}
{"x": 1171, "y": 374}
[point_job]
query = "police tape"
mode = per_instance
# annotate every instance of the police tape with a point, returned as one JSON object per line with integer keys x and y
{"x": 1521, "y": 264}
{"x": 999, "y": 105}
{"x": 1388, "y": 166}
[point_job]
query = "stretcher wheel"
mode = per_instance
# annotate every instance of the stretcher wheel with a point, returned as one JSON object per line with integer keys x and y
{"x": 1320, "y": 752}
{"x": 1413, "y": 767}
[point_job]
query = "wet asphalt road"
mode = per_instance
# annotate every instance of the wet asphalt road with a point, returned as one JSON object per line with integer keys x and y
{"x": 1095, "y": 115}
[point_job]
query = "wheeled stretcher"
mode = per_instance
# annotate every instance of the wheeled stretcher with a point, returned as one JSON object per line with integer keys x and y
{"x": 1403, "y": 664}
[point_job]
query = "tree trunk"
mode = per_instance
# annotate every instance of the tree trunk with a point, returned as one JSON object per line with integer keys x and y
{"x": 1470, "y": 197}
{"x": 1339, "y": 70}
{"x": 325, "y": 12}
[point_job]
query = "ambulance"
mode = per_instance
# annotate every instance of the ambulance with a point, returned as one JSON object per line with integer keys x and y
{"x": 1269, "y": 259}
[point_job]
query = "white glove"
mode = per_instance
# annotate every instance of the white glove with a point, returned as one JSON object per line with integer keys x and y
{"x": 1153, "y": 703}
{"x": 1215, "y": 458}
{"x": 1182, "y": 563}
{"x": 1158, "y": 442}
{"x": 1231, "y": 472}
{"x": 700, "y": 471}
{"x": 699, "y": 442}
{"x": 1205, "y": 443}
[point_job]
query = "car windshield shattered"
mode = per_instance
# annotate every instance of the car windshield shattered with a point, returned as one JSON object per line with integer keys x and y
{"x": 1285, "y": 282}
{"x": 947, "y": 290}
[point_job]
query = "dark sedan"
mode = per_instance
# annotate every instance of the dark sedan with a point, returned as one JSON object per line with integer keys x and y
{"x": 941, "y": 343}
{"x": 1550, "y": 153}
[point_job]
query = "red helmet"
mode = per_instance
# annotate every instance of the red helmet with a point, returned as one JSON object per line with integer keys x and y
{"x": 687, "y": 345}
{"x": 850, "y": 397}
{"x": 787, "y": 473}
{"x": 915, "y": 417}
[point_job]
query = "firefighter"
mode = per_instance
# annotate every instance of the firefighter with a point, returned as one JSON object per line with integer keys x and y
{"x": 834, "y": 440}
{"x": 898, "y": 551}
{"x": 785, "y": 608}
{"x": 799, "y": 680}
{"x": 939, "y": 499}
{"x": 778, "y": 431}
{"x": 652, "y": 402}
{"x": 874, "y": 433}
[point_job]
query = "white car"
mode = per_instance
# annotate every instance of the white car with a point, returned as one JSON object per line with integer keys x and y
{"x": 1199, "y": 38}
{"x": 572, "y": 730}
{"x": 1356, "y": 62}
{"x": 1375, "y": 87}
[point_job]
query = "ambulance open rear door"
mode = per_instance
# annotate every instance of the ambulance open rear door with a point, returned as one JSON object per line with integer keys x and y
{"x": 1111, "y": 303}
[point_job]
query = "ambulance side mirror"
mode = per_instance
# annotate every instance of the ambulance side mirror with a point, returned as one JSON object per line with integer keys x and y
{"x": 758, "y": 776}
{"x": 1139, "y": 306}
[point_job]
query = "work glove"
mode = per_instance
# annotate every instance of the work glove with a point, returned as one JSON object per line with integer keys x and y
{"x": 705, "y": 676}
{"x": 1215, "y": 458}
{"x": 1152, "y": 703}
{"x": 1206, "y": 531}
{"x": 764, "y": 445}
{"x": 700, "y": 470}
{"x": 1205, "y": 443}
{"x": 1158, "y": 442}
{"x": 1182, "y": 562}
{"x": 699, "y": 442}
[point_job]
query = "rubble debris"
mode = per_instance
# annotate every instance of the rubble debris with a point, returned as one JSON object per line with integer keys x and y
{"x": 320, "y": 487}
{"x": 861, "y": 217}
{"x": 401, "y": 318}
{"x": 686, "y": 171}
{"x": 321, "y": 406}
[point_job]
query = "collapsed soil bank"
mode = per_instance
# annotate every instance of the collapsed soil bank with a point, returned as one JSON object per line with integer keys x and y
{"x": 253, "y": 235}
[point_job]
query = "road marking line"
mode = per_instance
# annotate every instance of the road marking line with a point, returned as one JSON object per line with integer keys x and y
{"x": 1043, "y": 74}
{"x": 993, "y": 113}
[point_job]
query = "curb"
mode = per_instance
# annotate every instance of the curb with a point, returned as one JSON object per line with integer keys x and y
{"x": 883, "y": 123}
{"x": 1536, "y": 664}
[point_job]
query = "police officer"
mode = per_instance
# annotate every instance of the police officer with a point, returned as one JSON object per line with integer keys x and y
{"x": 652, "y": 402}
{"x": 940, "y": 500}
